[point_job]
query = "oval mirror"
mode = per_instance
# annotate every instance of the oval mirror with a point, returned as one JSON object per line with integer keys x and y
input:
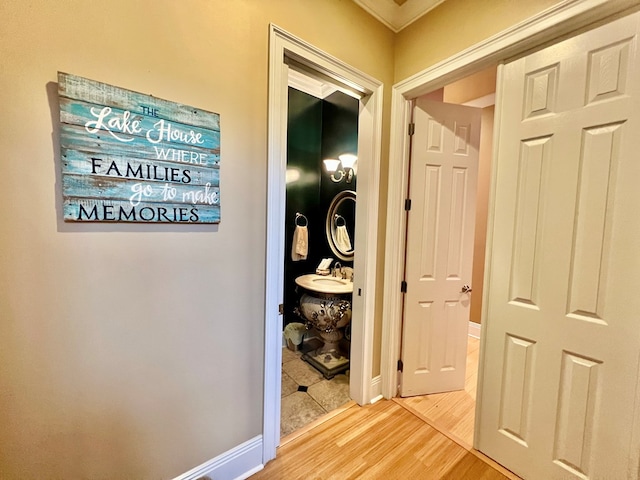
{"x": 340, "y": 224}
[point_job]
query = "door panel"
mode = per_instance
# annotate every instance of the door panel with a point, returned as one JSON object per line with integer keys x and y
{"x": 443, "y": 178}
{"x": 562, "y": 340}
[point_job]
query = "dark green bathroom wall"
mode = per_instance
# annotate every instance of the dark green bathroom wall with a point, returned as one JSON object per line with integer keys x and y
{"x": 316, "y": 129}
{"x": 304, "y": 150}
{"x": 339, "y": 135}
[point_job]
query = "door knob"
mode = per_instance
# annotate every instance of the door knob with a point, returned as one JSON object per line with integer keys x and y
{"x": 466, "y": 289}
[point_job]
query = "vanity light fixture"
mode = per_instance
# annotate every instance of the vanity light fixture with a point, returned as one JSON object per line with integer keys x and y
{"x": 344, "y": 166}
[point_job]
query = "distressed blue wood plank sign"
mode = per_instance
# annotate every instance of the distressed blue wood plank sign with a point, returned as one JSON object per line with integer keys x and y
{"x": 130, "y": 157}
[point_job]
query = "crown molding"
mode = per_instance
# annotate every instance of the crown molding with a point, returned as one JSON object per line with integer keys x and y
{"x": 394, "y": 16}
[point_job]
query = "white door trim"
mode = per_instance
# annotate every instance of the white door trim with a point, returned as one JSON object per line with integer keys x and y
{"x": 282, "y": 44}
{"x": 559, "y": 20}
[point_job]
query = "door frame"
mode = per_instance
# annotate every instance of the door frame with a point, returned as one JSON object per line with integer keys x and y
{"x": 561, "y": 19}
{"x": 283, "y": 46}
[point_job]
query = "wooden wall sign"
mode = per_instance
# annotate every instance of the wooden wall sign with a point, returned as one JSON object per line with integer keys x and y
{"x": 129, "y": 157}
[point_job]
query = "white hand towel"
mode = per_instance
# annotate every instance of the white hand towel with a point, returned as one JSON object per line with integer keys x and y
{"x": 300, "y": 245}
{"x": 343, "y": 241}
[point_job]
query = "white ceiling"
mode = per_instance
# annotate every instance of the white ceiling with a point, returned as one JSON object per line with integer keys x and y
{"x": 397, "y": 14}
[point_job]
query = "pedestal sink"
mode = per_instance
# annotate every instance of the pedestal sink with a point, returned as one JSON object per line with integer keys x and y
{"x": 325, "y": 284}
{"x": 326, "y": 306}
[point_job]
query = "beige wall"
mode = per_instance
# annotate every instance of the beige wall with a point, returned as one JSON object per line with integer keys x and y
{"x": 482, "y": 212}
{"x": 136, "y": 351}
{"x": 454, "y": 26}
{"x": 473, "y": 87}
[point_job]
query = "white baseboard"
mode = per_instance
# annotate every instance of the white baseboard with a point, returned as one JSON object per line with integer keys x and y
{"x": 238, "y": 463}
{"x": 376, "y": 389}
{"x": 244, "y": 460}
{"x": 474, "y": 329}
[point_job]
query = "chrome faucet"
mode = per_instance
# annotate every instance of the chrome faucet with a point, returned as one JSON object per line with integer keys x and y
{"x": 335, "y": 268}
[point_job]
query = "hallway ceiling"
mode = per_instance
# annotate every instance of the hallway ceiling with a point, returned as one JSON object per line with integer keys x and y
{"x": 397, "y": 14}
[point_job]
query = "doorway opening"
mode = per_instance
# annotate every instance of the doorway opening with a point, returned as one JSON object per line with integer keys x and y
{"x": 448, "y": 406}
{"x": 322, "y": 127}
{"x": 509, "y": 44}
{"x": 286, "y": 49}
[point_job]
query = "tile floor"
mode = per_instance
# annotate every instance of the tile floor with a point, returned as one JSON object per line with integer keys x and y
{"x": 306, "y": 394}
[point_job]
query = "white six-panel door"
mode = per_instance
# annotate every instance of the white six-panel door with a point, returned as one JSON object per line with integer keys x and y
{"x": 443, "y": 182}
{"x": 562, "y": 337}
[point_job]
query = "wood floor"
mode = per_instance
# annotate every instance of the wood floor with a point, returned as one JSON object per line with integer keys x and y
{"x": 392, "y": 439}
{"x": 452, "y": 412}
{"x": 379, "y": 441}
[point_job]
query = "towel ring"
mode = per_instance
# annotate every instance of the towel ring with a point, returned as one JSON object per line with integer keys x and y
{"x": 299, "y": 217}
{"x": 337, "y": 219}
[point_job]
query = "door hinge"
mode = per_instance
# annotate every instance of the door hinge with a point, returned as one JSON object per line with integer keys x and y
{"x": 412, "y": 128}
{"x": 400, "y": 366}
{"x": 407, "y": 204}
{"x": 281, "y": 309}
{"x": 403, "y": 286}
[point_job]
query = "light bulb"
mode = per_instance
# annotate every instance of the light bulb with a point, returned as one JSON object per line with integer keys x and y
{"x": 348, "y": 160}
{"x": 331, "y": 164}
